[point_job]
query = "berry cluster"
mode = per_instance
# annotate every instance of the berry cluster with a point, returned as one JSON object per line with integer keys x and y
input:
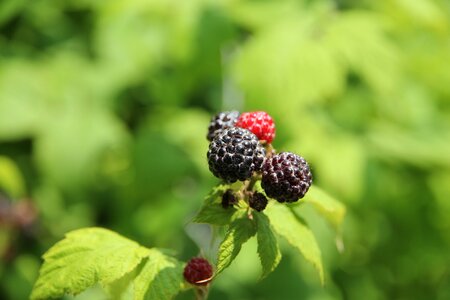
{"x": 240, "y": 149}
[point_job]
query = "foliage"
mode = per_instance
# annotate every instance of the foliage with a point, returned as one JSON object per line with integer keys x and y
{"x": 88, "y": 256}
{"x": 95, "y": 255}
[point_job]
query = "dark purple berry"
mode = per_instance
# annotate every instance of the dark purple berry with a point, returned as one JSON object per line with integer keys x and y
{"x": 286, "y": 177}
{"x": 221, "y": 121}
{"x": 234, "y": 154}
{"x": 198, "y": 271}
{"x": 257, "y": 201}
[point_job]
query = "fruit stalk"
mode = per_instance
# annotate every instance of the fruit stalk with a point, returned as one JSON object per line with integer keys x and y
{"x": 201, "y": 292}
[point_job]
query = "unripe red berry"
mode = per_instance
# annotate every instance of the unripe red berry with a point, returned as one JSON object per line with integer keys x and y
{"x": 258, "y": 122}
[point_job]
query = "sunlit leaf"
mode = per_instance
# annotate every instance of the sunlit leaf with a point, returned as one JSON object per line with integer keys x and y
{"x": 268, "y": 250}
{"x": 161, "y": 277}
{"x": 296, "y": 233}
{"x": 83, "y": 258}
{"x": 327, "y": 206}
{"x": 238, "y": 233}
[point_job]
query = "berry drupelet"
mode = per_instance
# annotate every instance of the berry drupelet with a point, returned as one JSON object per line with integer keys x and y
{"x": 286, "y": 177}
{"x": 234, "y": 154}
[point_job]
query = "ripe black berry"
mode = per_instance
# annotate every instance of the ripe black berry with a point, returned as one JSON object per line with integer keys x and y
{"x": 286, "y": 177}
{"x": 221, "y": 121}
{"x": 234, "y": 154}
{"x": 257, "y": 201}
{"x": 198, "y": 271}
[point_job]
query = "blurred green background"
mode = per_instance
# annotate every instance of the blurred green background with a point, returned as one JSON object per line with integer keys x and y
{"x": 104, "y": 107}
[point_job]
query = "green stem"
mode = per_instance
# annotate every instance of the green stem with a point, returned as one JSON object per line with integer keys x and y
{"x": 252, "y": 183}
{"x": 201, "y": 292}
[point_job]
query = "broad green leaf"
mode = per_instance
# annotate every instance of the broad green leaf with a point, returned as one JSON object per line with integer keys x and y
{"x": 83, "y": 258}
{"x": 238, "y": 233}
{"x": 268, "y": 250}
{"x": 122, "y": 288}
{"x": 327, "y": 206}
{"x": 160, "y": 278}
{"x": 285, "y": 223}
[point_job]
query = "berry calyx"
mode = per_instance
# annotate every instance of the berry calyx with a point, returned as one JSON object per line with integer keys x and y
{"x": 198, "y": 271}
{"x": 258, "y": 122}
{"x": 257, "y": 201}
{"x": 228, "y": 199}
{"x": 234, "y": 154}
{"x": 221, "y": 121}
{"x": 286, "y": 177}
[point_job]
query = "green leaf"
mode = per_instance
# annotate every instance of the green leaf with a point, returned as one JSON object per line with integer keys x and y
{"x": 122, "y": 288}
{"x": 268, "y": 250}
{"x": 214, "y": 214}
{"x": 238, "y": 233}
{"x": 161, "y": 277}
{"x": 215, "y": 196}
{"x": 286, "y": 224}
{"x": 212, "y": 211}
{"x": 327, "y": 206}
{"x": 83, "y": 258}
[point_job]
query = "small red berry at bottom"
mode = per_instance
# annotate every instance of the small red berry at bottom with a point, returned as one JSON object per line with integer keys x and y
{"x": 198, "y": 271}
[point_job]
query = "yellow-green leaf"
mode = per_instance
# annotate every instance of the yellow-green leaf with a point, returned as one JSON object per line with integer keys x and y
{"x": 161, "y": 277}
{"x": 83, "y": 258}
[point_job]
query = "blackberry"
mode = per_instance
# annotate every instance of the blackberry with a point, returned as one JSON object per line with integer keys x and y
{"x": 234, "y": 154}
{"x": 257, "y": 201}
{"x": 286, "y": 177}
{"x": 258, "y": 122}
{"x": 220, "y": 122}
{"x": 198, "y": 271}
{"x": 228, "y": 199}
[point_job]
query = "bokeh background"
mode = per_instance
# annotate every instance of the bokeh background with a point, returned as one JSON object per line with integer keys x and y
{"x": 104, "y": 107}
